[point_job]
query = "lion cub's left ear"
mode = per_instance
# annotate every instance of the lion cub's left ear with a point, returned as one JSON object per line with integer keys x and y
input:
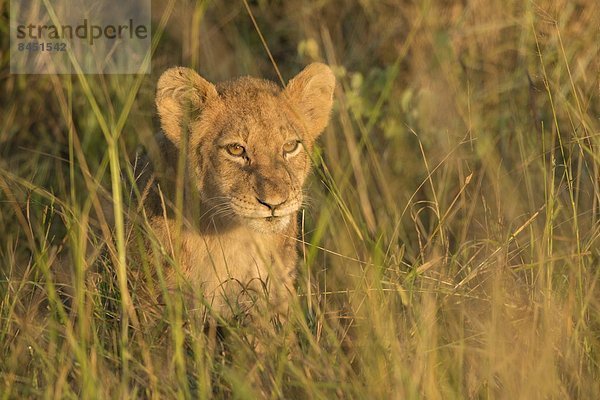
{"x": 311, "y": 92}
{"x": 181, "y": 95}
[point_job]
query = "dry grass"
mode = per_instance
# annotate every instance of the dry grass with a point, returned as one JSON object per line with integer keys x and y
{"x": 450, "y": 248}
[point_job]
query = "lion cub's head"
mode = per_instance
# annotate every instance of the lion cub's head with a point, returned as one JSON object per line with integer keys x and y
{"x": 249, "y": 141}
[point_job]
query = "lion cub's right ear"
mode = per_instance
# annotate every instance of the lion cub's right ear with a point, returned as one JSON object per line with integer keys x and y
{"x": 181, "y": 95}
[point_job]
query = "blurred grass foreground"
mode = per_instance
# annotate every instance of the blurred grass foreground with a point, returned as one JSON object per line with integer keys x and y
{"x": 450, "y": 247}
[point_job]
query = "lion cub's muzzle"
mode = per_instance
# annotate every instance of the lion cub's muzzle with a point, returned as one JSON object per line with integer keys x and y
{"x": 268, "y": 207}
{"x": 266, "y": 215}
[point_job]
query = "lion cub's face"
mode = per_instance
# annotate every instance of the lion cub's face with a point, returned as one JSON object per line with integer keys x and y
{"x": 249, "y": 141}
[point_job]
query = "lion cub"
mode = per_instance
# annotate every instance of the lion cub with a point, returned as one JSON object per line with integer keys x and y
{"x": 246, "y": 146}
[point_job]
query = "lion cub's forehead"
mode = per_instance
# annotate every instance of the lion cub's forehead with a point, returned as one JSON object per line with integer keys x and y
{"x": 256, "y": 109}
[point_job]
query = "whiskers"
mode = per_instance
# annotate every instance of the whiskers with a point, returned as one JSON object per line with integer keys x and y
{"x": 227, "y": 207}
{"x": 224, "y": 212}
{"x": 307, "y": 200}
{"x": 220, "y": 208}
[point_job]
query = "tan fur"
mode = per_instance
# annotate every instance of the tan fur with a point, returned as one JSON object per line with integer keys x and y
{"x": 239, "y": 234}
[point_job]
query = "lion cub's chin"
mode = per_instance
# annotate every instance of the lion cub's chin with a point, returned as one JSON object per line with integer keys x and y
{"x": 268, "y": 225}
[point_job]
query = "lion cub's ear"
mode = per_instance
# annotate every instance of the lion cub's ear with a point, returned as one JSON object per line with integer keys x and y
{"x": 311, "y": 92}
{"x": 181, "y": 94}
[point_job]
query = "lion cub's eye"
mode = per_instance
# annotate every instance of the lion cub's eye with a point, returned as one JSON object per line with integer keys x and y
{"x": 236, "y": 150}
{"x": 291, "y": 146}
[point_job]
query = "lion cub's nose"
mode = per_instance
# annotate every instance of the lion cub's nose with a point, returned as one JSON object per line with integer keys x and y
{"x": 272, "y": 202}
{"x": 272, "y": 191}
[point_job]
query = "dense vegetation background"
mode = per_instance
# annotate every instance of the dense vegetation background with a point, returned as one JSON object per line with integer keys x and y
{"x": 450, "y": 246}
